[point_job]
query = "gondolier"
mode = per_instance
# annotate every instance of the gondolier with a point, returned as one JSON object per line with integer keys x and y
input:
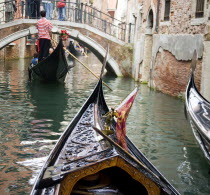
{"x": 44, "y": 36}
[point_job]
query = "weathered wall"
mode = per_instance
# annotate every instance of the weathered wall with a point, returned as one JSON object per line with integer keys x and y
{"x": 205, "y": 80}
{"x": 174, "y": 42}
{"x": 181, "y": 46}
{"x": 182, "y": 19}
{"x": 124, "y": 56}
{"x": 170, "y": 76}
{"x": 173, "y": 55}
{"x": 13, "y": 52}
{"x": 145, "y": 68}
{"x": 10, "y": 29}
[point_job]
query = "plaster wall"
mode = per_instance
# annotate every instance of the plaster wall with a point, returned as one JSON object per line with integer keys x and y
{"x": 172, "y": 56}
{"x": 121, "y": 10}
{"x": 181, "y": 46}
{"x": 145, "y": 72}
{"x": 205, "y": 79}
{"x": 138, "y": 56}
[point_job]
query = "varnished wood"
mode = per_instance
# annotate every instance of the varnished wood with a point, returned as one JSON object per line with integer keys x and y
{"x": 72, "y": 178}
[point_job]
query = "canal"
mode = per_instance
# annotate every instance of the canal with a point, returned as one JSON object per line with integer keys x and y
{"x": 33, "y": 116}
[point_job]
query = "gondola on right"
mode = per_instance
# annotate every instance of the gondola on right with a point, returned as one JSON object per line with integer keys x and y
{"x": 198, "y": 112}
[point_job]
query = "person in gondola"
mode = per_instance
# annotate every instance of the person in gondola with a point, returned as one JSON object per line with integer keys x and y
{"x": 51, "y": 50}
{"x": 34, "y": 60}
{"x": 44, "y": 27}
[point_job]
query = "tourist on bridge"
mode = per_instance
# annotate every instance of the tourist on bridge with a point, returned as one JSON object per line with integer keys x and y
{"x": 10, "y": 9}
{"x": 35, "y": 8}
{"x": 44, "y": 27}
{"x": 48, "y": 7}
{"x": 27, "y": 8}
{"x": 61, "y": 5}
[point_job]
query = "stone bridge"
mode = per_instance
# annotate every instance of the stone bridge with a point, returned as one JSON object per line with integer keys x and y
{"x": 94, "y": 39}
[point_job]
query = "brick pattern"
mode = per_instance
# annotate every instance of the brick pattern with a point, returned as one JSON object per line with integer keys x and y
{"x": 180, "y": 19}
{"x": 123, "y": 55}
{"x": 11, "y": 52}
{"x": 171, "y": 76}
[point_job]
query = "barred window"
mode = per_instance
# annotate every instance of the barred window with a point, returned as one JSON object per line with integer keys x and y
{"x": 199, "y": 9}
{"x": 167, "y": 10}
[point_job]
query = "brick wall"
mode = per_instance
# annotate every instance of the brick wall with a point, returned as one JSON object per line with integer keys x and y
{"x": 181, "y": 17}
{"x": 123, "y": 55}
{"x": 13, "y": 52}
{"x": 170, "y": 76}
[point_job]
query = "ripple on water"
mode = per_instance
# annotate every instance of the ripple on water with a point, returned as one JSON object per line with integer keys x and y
{"x": 34, "y": 116}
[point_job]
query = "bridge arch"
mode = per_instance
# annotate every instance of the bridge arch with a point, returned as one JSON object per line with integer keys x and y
{"x": 97, "y": 49}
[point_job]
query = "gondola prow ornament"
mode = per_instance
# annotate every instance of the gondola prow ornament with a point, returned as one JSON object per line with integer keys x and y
{"x": 108, "y": 121}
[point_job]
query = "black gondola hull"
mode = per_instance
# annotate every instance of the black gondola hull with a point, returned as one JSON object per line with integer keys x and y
{"x": 198, "y": 114}
{"x": 53, "y": 68}
{"x": 81, "y": 153}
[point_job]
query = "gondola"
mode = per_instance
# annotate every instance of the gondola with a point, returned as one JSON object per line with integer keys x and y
{"x": 52, "y": 68}
{"x": 198, "y": 113}
{"x": 72, "y": 50}
{"x": 86, "y": 161}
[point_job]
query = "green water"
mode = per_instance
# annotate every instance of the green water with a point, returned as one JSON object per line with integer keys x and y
{"x": 33, "y": 116}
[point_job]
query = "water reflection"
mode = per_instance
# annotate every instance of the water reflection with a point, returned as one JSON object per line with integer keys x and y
{"x": 34, "y": 116}
{"x": 49, "y": 101}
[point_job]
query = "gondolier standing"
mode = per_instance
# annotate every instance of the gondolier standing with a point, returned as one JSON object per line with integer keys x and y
{"x": 44, "y": 27}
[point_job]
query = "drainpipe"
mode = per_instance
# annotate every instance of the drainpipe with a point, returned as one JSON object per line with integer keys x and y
{"x": 157, "y": 16}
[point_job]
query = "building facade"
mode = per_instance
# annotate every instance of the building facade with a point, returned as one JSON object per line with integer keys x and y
{"x": 164, "y": 34}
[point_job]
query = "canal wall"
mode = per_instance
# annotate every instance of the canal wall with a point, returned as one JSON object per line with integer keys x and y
{"x": 166, "y": 35}
{"x": 18, "y": 49}
{"x": 172, "y": 56}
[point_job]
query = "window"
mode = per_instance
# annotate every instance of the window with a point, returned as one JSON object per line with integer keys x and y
{"x": 167, "y": 10}
{"x": 199, "y": 9}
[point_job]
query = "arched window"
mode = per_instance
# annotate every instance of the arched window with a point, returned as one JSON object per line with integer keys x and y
{"x": 167, "y": 10}
{"x": 150, "y": 19}
{"x": 199, "y": 9}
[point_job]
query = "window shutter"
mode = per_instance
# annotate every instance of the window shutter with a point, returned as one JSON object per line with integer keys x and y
{"x": 199, "y": 9}
{"x": 167, "y": 10}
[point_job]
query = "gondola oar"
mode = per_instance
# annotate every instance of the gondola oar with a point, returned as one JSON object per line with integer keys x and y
{"x": 84, "y": 65}
{"x": 121, "y": 149}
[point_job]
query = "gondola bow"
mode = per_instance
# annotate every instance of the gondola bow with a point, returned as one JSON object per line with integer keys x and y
{"x": 52, "y": 68}
{"x": 84, "y": 162}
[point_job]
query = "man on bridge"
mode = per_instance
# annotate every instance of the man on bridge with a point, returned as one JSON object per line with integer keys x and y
{"x": 44, "y": 36}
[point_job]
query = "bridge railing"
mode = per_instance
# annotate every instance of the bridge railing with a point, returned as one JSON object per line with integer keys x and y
{"x": 74, "y": 12}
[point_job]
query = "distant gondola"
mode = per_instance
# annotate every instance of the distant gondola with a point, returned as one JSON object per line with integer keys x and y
{"x": 82, "y": 162}
{"x": 52, "y": 68}
{"x": 76, "y": 52}
{"x": 198, "y": 113}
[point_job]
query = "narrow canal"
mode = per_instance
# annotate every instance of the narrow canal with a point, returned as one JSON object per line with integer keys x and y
{"x": 33, "y": 116}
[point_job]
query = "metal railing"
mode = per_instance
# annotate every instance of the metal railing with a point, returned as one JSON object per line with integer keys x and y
{"x": 73, "y": 12}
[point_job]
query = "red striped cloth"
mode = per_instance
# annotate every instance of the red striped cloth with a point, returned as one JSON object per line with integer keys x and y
{"x": 44, "y": 27}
